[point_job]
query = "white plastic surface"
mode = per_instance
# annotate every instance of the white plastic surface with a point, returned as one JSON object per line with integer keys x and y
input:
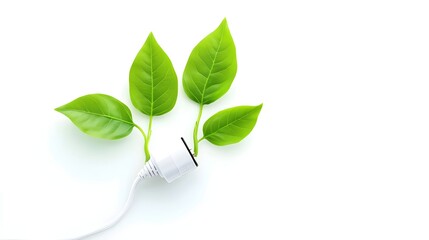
{"x": 175, "y": 163}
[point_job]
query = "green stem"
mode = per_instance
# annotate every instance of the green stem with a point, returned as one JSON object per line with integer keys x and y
{"x": 141, "y": 130}
{"x": 197, "y": 124}
{"x": 146, "y": 143}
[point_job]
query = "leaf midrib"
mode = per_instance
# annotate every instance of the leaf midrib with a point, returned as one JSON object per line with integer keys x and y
{"x": 151, "y": 75}
{"x": 100, "y": 115}
{"x": 211, "y": 68}
{"x": 228, "y": 124}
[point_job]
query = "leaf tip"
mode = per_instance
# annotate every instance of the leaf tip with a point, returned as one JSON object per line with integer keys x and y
{"x": 58, "y": 109}
{"x": 151, "y": 39}
{"x": 151, "y": 36}
{"x": 224, "y": 22}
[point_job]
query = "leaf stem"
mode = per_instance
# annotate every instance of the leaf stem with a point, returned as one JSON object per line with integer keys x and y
{"x": 146, "y": 138}
{"x": 201, "y": 139}
{"x": 141, "y": 130}
{"x": 146, "y": 143}
{"x": 197, "y": 124}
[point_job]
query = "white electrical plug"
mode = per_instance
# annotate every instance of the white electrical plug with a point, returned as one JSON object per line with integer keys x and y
{"x": 170, "y": 166}
{"x": 178, "y": 161}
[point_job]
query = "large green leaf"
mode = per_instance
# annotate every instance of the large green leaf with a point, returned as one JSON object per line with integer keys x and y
{"x": 100, "y": 116}
{"x": 153, "y": 81}
{"x": 211, "y": 67}
{"x": 231, "y": 125}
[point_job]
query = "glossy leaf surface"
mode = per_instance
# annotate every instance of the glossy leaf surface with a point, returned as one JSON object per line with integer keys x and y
{"x": 211, "y": 67}
{"x": 99, "y": 115}
{"x": 231, "y": 125}
{"x": 153, "y": 81}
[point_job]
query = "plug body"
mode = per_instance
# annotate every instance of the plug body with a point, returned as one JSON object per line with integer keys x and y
{"x": 172, "y": 164}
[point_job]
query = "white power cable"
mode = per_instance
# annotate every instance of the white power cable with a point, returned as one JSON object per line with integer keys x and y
{"x": 170, "y": 167}
{"x": 142, "y": 175}
{"x": 114, "y": 221}
{"x": 148, "y": 171}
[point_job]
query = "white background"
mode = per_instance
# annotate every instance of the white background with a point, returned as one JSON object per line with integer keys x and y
{"x": 340, "y": 150}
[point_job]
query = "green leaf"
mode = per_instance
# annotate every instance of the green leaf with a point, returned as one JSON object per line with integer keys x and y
{"x": 231, "y": 125}
{"x": 153, "y": 81}
{"x": 99, "y": 115}
{"x": 211, "y": 67}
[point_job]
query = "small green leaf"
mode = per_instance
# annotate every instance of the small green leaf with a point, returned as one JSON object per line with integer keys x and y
{"x": 211, "y": 67}
{"x": 99, "y": 115}
{"x": 153, "y": 81}
{"x": 231, "y": 125}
